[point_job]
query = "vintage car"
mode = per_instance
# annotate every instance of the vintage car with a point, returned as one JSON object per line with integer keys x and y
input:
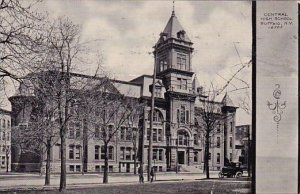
{"x": 232, "y": 170}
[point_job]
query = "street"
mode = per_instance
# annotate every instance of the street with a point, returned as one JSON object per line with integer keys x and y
{"x": 120, "y": 183}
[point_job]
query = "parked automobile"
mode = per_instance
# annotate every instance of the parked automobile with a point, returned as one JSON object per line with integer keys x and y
{"x": 233, "y": 170}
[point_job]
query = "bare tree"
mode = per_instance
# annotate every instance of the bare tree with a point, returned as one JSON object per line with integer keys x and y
{"x": 20, "y": 38}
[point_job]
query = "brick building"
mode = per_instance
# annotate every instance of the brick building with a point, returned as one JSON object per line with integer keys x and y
{"x": 5, "y": 140}
{"x": 177, "y": 140}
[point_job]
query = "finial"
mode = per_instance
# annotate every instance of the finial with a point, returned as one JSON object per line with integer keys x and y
{"x": 173, "y": 12}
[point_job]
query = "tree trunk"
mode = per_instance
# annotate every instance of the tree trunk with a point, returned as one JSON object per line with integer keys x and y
{"x": 47, "y": 177}
{"x": 135, "y": 164}
{"x": 105, "y": 174}
{"x": 63, "y": 172}
{"x": 206, "y": 161}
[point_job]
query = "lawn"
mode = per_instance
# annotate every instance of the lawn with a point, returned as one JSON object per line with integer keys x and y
{"x": 209, "y": 187}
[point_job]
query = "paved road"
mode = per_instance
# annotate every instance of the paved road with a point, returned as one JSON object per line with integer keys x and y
{"x": 27, "y": 180}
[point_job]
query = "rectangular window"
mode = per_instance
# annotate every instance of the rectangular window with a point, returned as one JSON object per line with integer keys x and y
{"x": 154, "y": 154}
{"x": 129, "y": 134}
{"x": 231, "y": 127}
{"x": 97, "y": 152}
{"x": 148, "y": 134}
{"x": 182, "y": 114}
{"x": 77, "y": 153}
{"x": 195, "y": 156}
{"x": 218, "y": 158}
{"x": 181, "y": 61}
{"x": 219, "y": 128}
{"x": 160, "y": 154}
{"x": 230, "y": 157}
{"x": 78, "y": 168}
{"x": 8, "y": 136}
{"x": 3, "y": 135}
{"x": 122, "y": 152}
{"x": 102, "y": 153}
{"x": 195, "y": 139}
{"x": 97, "y": 168}
{"x": 72, "y": 169}
{"x": 230, "y": 142}
{"x": 154, "y": 135}
{"x": 178, "y": 116}
{"x": 77, "y": 128}
{"x": 110, "y": 152}
{"x": 218, "y": 142}
{"x": 97, "y": 131}
{"x": 110, "y": 168}
{"x": 110, "y": 130}
{"x": 3, "y": 124}
{"x": 71, "y": 130}
{"x": 157, "y": 92}
{"x": 8, "y": 124}
{"x": 182, "y": 83}
{"x": 187, "y": 117}
{"x": 128, "y": 154}
{"x": 160, "y": 135}
{"x": 122, "y": 135}
{"x": 71, "y": 152}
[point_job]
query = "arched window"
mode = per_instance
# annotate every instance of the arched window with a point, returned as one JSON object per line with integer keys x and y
{"x": 183, "y": 138}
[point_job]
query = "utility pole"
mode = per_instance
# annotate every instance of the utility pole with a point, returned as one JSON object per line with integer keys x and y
{"x": 151, "y": 115}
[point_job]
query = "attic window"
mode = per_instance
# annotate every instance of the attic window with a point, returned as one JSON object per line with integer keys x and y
{"x": 163, "y": 36}
{"x": 181, "y": 34}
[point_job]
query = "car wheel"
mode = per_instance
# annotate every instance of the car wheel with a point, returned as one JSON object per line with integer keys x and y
{"x": 238, "y": 175}
{"x": 221, "y": 175}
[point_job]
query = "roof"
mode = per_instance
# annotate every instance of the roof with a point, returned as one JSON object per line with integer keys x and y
{"x": 227, "y": 101}
{"x": 173, "y": 27}
{"x": 3, "y": 111}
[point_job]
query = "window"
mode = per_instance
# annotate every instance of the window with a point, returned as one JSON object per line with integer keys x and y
{"x": 218, "y": 158}
{"x": 182, "y": 138}
{"x": 102, "y": 153}
{"x": 209, "y": 156}
{"x": 129, "y": 134}
{"x": 155, "y": 135}
{"x": 160, "y": 135}
{"x": 195, "y": 156}
{"x": 196, "y": 139}
{"x": 230, "y": 157}
{"x": 97, "y": 168}
{"x": 78, "y": 168}
{"x": 3, "y": 124}
{"x": 148, "y": 134}
{"x": 187, "y": 116}
{"x": 231, "y": 127}
{"x": 97, "y": 131}
{"x": 8, "y": 136}
{"x": 71, "y": 152}
{"x": 110, "y": 129}
{"x": 122, "y": 152}
{"x": 71, "y": 130}
{"x": 128, "y": 154}
{"x": 181, "y": 61}
{"x": 160, "y": 154}
{"x": 230, "y": 142}
{"x": 219, "y": 128}
{"x": 122, "y": 133}
{"x": 3, "y": 135}
{"x": 110, "y": 152}
{"x": 178, "y": 116}
{"x": 182, "y": 114}
{"x": 72, "y": 169}
{"x": 157, "y": 92}
{"x": 163, "y": 65}
{"x": 218, "y": 142}
{"x": 77, "y": 128}
{"x": 182, "y": 83}
{"x": 97, "y": 152}
{"x": 77, "y": 153}
{"x": 8, "y": 124}
{"x": 154, "y": 156}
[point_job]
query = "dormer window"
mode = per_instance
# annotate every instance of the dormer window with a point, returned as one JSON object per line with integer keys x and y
{"x": 163, "y": 37}
{"x": 181, "y": 34}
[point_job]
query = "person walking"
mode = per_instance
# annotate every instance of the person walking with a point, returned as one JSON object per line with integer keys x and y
{"x": 152, "y": 174}
{"x": 141, "y": 176}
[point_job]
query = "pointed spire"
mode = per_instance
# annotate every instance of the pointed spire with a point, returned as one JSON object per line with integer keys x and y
{"x": 227, "y": 101}
{"x": 173, "y": 12}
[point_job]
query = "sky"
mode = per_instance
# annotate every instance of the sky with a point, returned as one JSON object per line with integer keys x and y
{"x": 124, "y": 33}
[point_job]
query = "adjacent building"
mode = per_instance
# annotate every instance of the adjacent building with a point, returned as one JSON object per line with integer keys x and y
{"x": 178, "y": 130}
{"x": 5, "y": 141}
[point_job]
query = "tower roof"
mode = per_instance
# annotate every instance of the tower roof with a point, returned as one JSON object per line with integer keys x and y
{"x": 227, "y": 101}
{"x": 173, "y": 27}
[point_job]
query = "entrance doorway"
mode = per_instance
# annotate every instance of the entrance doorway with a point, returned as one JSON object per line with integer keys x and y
{"x": 127, "y": 167}
{"x": 181, "y": 157}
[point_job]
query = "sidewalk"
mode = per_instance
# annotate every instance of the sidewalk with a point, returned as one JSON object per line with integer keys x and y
{"x": 35, "y": 181}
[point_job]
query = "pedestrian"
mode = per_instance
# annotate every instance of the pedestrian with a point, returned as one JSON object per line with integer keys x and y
{"x": 141, "y": 176}
{"x": 152, "y": 174}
